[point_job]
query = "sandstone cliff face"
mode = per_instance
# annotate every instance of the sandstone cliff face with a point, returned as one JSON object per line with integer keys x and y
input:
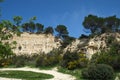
{"x": 34, "y": 43}
{"x": 93, "y": 45}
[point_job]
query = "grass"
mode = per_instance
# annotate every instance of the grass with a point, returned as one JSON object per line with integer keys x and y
{"x": 25, "y": 75}
{"x": 117, "y": 74}
{"x": 47, "y": 67}
{"x": 76, "y": 73}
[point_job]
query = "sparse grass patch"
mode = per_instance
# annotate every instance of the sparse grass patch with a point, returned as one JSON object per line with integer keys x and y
{"x": 76, "y": 72}
{"x": 26, "y": 75}
{"x": 119, "y": 75}
{"x": 47, "y": 67}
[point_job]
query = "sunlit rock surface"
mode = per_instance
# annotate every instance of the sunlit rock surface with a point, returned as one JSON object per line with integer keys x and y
{"x": 34, "y": 43}
{"x": 92, "y": 45}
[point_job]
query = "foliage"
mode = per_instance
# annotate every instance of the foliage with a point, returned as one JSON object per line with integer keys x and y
{"x": 67, "y": 40}
{"x": 6, "y": 24}
{"x": 74, "y": 60}
{"x": 119, "y": 76}
{"x": 5, "y": 53}
{"x": 23, "y": 60}
{"x": 39, "y": 60}
{"x": 62, "y": 30}
{"x": 110, "y": 57}
{"x": 83, "y": 36}
{"x": 76, "y": 72}
{"x": 25, "y": 75}
{"x": 101, "y": 25}
{"x": 52, "y": 58}
{"x": 17, "y": 20}
{"x": 49, "y": 30}
{"x": 5, "y": 50}
{"x": 6, "y": 47}
{"x": 1, "y": 0}
{"x": 98, "y": 72}
{"x": 110, "y": 40}
{"x": 5, "y": 62}
{"x": 29, "y": 26}
{"x": 39, "y": 28}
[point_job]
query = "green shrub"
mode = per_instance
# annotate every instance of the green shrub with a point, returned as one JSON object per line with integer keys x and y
{"x": 5, "y": 62}
{"x": 19, "y": 61}
{"x": 73, "y": 60}
{"x": 106, "y": 58}
{"x": 37, "y": 60}
{"x": 40, "y": 60}
{"x": 5, "y": 51}
{"x": 98, "y": 72}
{"x": 69, "y": 60}
{"x": 110, "y": 57}
{"x": 72, "y": 65}
{"x": 83, "y": 61}
{"x": 50, "y": 59}
{"x": 84, "y": 73}
{"x": 119, "y": 76}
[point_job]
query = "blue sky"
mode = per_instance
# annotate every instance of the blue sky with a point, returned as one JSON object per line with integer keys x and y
{"x": 70, "y": 13}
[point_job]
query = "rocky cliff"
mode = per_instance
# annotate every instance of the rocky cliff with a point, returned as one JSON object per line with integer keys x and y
{"x": 93, "y": 45}
{"x": 34, "y": 43}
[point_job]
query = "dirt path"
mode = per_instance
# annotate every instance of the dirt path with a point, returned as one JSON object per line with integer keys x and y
{"x": 57, "y": 75}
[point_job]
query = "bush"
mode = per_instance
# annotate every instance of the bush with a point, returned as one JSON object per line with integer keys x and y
{"x": 19, "y": 61}
{"x": 106, "y": 58}
{"x": 40, "y": 60}
{"x": 83, "y": 61}
{"x": 72, "y": 65}
{"x": 37, "y": 60}
{"x": 73, "y": 60}
{"x": 5, "y": 51}
{"x": 5, "y": 62}
{"x": 50, "y": 59}
{"x": 98, "y": 72}
{"x": 69, "y": 60}
{"x": 84, "y": 73}
{"x": 110, "y": 57}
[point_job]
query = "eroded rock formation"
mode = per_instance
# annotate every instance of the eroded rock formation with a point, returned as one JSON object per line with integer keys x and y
{"x": 92, "y": 45}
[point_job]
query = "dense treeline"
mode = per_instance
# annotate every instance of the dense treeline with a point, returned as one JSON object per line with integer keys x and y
{"x": 32, "y": 27}
{"x": 98, "y": 25}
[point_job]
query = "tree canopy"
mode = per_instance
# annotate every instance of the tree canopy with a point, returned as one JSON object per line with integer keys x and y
{"x": 49, "y": 30}
{"x": 101, "y": 25}
{"x": 62, "y": 30}
{"x": 17, "y": 20}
